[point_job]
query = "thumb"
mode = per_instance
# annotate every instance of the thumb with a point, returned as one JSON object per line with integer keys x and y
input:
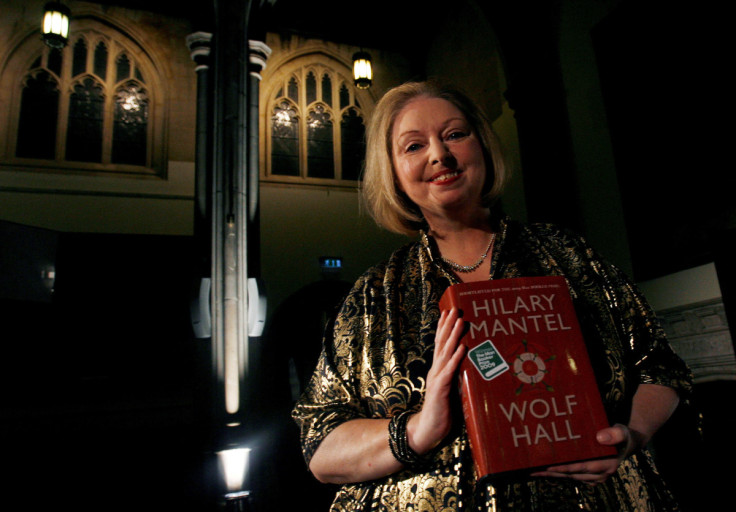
{"x": 614, "y": 435}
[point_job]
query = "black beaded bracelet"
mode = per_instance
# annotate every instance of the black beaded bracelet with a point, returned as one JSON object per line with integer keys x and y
{"x": 398, "y": 441}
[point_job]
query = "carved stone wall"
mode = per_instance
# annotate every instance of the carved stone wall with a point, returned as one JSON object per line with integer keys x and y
{"x": 699, "y": 334}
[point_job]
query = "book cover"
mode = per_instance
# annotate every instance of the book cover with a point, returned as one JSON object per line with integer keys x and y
{"x": 529, "y": 394}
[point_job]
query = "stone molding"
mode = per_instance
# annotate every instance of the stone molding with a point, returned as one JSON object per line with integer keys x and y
{"x": 699, "y": 334}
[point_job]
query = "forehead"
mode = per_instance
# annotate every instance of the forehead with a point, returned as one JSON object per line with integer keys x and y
{"x": 425, "y": 112}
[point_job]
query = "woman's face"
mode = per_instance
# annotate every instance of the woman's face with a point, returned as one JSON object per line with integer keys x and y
{"x": 438, "y": 158}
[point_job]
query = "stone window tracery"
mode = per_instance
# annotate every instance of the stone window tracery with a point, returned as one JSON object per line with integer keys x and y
{"x": 88, "y": 106}
{"x": 310, "y": 137}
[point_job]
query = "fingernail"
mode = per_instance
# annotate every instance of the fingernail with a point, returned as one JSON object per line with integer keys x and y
{"x": 603, "y": 437}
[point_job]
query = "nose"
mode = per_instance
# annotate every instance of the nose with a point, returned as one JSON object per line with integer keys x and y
{"x": 439, "y": 152}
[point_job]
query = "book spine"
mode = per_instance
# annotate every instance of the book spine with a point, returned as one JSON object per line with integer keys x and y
{"x": 471, "y": 416}
{"x": 449, "y": 300}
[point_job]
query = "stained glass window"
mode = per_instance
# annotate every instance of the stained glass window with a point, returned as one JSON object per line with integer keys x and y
{"x": 353, "y": 144}
{"x": 285, "y": 140}
{"x": 55, "y": 61}
{"x": 344, "y": 96}
{"x": 327, "y": 89}
{"x": 100, "y": 64}
{"x": 79, "y": 65}
{"x": 310, "y": 139}
{"x": 130, "y": 125}
{"x": 311, "y": 88}
{"x": 107, "y": 111}
{"x": 293, "y": 90}
{"x": 84, "y": 130}
{"x": 39, "y": 107}
{"x": 123, "y": 68}
{"x": 320, "y": 153}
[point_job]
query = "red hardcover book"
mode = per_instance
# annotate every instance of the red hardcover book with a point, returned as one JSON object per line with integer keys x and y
{"x": 529, "y": 395}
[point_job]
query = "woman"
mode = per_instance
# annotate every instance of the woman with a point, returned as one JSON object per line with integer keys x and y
{"x": 433, "y": 166}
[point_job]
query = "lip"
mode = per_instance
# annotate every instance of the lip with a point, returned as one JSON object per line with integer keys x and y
{"x": 437, "y": 178}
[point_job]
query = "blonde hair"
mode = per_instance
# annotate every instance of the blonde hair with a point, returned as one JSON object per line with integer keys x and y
{"x": 390, "y": 207}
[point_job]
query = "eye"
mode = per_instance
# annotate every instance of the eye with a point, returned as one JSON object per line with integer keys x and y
{"x": 413, "y": 147}
{"x": 458, "y": 134}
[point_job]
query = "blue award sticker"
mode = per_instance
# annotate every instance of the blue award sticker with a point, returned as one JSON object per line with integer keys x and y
{"x": 487, "y": 360}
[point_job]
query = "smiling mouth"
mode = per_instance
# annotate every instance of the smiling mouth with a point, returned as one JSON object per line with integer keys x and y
{"x": 445, "y": 176}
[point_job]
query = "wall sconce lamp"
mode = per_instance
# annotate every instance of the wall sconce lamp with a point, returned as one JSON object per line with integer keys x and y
{"x": 55, "y": 27}
{"x": 362, "y": 70}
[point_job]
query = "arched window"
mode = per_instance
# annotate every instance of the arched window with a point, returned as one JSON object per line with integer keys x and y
{"x": 130, "y": 126}
{"x": 315, "y": 127}
{"x": 89, "y": 106}
{"x": 40, "y": 107}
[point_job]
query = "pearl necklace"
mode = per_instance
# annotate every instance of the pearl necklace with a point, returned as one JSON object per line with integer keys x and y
{"x": 469, "y": 268}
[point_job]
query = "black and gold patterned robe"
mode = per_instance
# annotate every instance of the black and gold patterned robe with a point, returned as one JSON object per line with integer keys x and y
{"x": 375, "y": 364}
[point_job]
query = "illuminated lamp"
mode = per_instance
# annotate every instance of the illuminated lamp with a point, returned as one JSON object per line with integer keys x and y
{"x": 362, "y": 70}
{"x": 233, "y": 464}
{"x": 55, "y": 28}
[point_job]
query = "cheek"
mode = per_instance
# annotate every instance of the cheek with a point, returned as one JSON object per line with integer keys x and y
{"x": 407, "y": 168}
{"x": 402, "y": 173}
{"x": 395, "y": 172}
{"x": 474, "y": 152}
{"x": 476, "y": 158}
{"x": 399, "y": 180}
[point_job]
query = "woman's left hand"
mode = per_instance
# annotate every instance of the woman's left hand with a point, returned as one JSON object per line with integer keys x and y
{"x": 598, "y": 470}
{"x": 652, "y": 405}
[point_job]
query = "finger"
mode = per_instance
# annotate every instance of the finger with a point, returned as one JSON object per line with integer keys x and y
{"x": 444, "y": 325}
{"x": 572, "y": 468}
{"x": 455, "y": 331}
{"x": 457, "y": 358}
{"x": 452, "y": 352}
{"x": 588, "y": 477}
{"x": 580, "y": 477}
{"x": 611, "y": 436}
{"x": 454, "y": 344}
{"x": 441, "y": 322}
{"x": 587, "y": 471}
{"x": 448, "y": 352}
{"x": 457, "y": 328}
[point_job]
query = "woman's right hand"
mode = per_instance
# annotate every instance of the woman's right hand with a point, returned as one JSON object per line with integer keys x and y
{"x": 358, "y": 450}
{"x": 428, "y": 427}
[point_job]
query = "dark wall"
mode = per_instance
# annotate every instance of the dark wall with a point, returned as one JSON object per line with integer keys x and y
{"x": 661, "y": 70}
{"x": 102, "y": 385}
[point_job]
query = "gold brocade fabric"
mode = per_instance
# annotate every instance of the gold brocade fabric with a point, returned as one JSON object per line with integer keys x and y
{"x": 375, "y": 363}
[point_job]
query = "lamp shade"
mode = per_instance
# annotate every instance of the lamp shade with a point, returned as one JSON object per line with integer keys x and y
{"x": 362, "y": 70}
{"x": 234, "y": 466}
{"x": 55, "y": 28}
